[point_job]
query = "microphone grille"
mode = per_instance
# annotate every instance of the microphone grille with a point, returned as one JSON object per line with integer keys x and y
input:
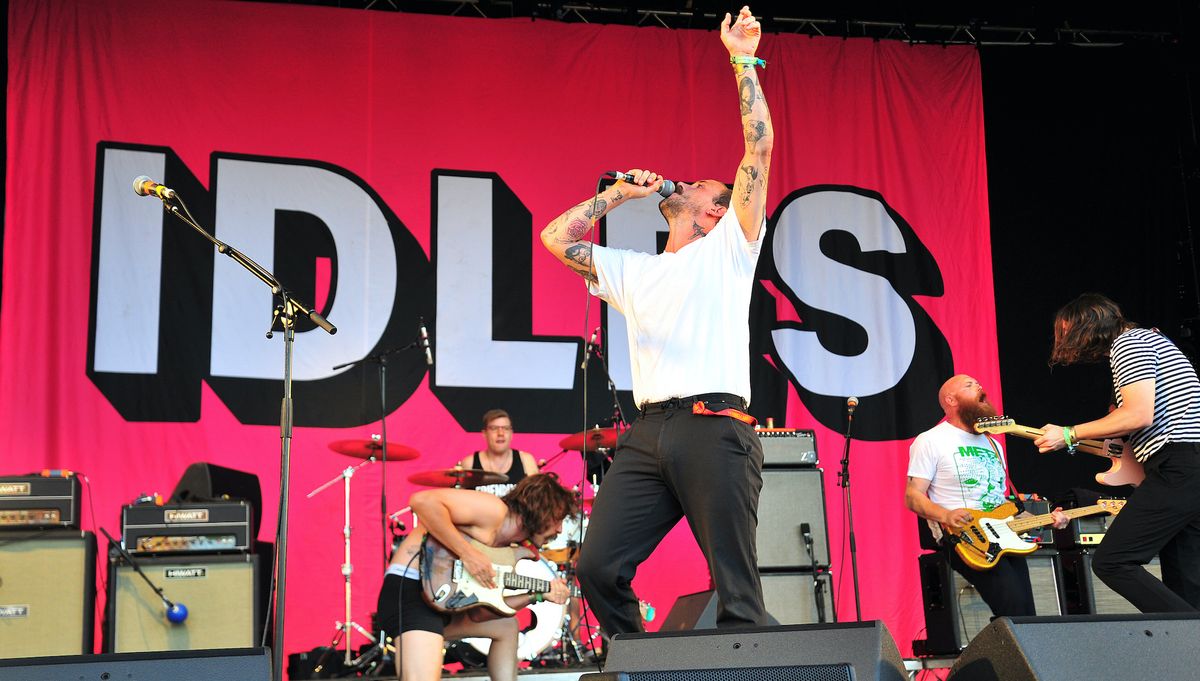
{"x": 139, "y": 185}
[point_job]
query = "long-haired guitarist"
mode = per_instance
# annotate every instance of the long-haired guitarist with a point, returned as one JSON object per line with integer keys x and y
{"x": 953, "y": 471}
{"x": 1158, "y": 409}
{"x": 533, "y": 511}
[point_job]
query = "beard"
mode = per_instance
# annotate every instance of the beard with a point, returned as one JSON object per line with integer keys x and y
{"x": 671, "y": 206}
{"x": 970, "y": 412}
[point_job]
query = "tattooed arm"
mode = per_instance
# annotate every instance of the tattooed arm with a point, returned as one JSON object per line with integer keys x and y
{"x": 750, "y": 186}
{"x": 565, "y": 235}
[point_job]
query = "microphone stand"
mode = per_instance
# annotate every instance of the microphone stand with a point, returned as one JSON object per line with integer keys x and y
{"x": 844, "y": 483}
{"x": 171, "y": 605}
{"x": 382, "y": 359}
{"x": 285, "y": 312}
{"x": 818, "y": 586}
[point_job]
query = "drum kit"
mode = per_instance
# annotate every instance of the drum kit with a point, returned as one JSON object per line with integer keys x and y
{"x": 553, "y": 634}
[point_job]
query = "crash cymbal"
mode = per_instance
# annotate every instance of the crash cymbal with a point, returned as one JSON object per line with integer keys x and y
{"x": 595, "y": 438}
{"x": 467, "y": 478}
{"x": 365, "y": 449}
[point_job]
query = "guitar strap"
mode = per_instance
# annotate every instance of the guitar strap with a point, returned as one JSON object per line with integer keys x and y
{"x": 1013, "y": 494}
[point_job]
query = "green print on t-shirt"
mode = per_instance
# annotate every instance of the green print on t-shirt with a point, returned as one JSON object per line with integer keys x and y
{"x": 981, "y": 475}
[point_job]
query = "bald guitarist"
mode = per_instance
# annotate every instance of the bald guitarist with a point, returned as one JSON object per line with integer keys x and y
{"x": 955, "y": 472}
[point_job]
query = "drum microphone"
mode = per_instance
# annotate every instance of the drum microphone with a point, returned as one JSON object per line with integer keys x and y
{"x": 668, "y": 187}
{"x": 587, "y": 350}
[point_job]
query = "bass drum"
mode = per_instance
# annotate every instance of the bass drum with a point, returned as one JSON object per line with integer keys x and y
{"x": 547, "y": 618}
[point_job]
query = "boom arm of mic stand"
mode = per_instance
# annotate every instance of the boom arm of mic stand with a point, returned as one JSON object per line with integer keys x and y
{"x": 136, "y": 568}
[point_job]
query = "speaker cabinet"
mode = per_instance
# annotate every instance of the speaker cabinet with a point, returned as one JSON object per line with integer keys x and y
{"x": 202, "y": 665}
{"x": 819, "y": 672}
{"x": 867, "y": 647}
{"x": 790, "y": 600}
{"x": 203, "y": 481}
{"x": 791, "y": 497}
{"x": 954, "y": 611}
{"x": 1082, "y": 648}
{"x": 220, "y": 593}
{"x": 1087, "y": 595}
{"x": 47, "y": 593}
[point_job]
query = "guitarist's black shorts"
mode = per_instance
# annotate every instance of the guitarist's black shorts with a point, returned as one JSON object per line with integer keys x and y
{"x": 402, "y": 596}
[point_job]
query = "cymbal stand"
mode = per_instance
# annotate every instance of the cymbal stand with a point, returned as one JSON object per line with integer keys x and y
{"x": 344, "y": 627}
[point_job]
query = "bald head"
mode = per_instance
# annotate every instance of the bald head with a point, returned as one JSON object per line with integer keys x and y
{"x": 964, "y": 401}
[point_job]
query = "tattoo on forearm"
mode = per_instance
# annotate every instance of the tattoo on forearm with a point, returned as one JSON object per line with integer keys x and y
{"x": 755, "y": 130}
{"x": 746, "y": 93}
{"x": 576, "y": 230}
{"x": 752, "y": 177}
{"x": 592, "y": 212}
{"x": 618, "y": 196}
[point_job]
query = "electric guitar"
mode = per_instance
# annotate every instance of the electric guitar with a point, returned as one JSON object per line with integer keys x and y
{"x": 1125, "y": 470}
{"x": 449, "y": 587}
{"x": 994, "y": 533}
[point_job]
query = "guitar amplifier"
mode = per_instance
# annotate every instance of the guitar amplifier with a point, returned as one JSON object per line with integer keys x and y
{"x": 788, "y": 447}
{"x": 35, "y": 501}
{"x": 1080, "y": 532}
{"x": 209, "y": 527}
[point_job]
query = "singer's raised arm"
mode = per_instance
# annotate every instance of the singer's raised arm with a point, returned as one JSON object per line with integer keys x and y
{"x": 750, "y": 185}
{"x": 565, "y": 236}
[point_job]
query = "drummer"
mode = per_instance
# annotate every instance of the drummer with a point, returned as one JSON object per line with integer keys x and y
{"x": 499, "y": 456}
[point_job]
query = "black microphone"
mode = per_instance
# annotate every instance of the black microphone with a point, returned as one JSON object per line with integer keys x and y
{"x": 806, "y": 532}
{"x": 851, "y": 405}
{"x": 587, "y": 351}
{"x": 668, "y": 187}
{"x": 423, "y": 339}
{"x": 144, "y": 186}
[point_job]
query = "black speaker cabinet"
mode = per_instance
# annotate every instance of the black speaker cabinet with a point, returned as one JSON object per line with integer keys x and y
{"x": 817, "y": 672}
{"x": 1082, "y": 648}
{"x": 867, "y": 647}
{"x": 252, "y": 664}
{"x": 791, "y": 497}
{"x": 47, "y": 592}
{"x": 954, "y": 611}
{"x": 220, "y": 593}
{"x": 1087, "y": 595}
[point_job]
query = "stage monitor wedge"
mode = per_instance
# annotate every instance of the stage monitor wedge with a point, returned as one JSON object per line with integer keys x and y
{"x": 1083, "y": 648}
{"x": 867, "y": 647}
{"x": 234, "y": 664}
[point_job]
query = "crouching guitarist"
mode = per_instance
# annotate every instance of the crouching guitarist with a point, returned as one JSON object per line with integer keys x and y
{"x": 953, "y": 471}
{"x": 532, "y": 512}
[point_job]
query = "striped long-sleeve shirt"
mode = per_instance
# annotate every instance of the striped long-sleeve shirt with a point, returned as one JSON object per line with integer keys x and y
{"x": 1141, "y": 354}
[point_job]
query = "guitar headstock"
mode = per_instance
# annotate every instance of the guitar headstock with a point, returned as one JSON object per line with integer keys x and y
{"x": 995, "y": 424}
{"x": 1112, "y": 506}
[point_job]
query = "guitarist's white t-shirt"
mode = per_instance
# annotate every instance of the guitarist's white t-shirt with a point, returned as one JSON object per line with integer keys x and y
{"x": 964, "y": 470}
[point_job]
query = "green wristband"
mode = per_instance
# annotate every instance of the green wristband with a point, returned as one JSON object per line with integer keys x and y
{"x": 746, "y": 60}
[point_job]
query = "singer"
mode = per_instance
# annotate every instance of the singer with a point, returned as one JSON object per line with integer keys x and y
{"x": 692, "y": 452}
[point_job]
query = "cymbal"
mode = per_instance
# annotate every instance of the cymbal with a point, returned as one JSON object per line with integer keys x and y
{"x": 365, "y": 449}
{"x": 595, "y": 438}
{"x": 466, "y": 478}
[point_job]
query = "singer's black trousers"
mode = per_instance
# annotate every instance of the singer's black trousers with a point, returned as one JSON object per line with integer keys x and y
{"x": 669, "y": 465}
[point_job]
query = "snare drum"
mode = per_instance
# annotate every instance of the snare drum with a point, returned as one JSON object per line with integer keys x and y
{"x": 547, "y": 618}
{"x": 563, "y": 548}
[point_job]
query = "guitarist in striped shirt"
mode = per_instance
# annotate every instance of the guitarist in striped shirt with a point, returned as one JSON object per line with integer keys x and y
{"x": 1158, "y": 410}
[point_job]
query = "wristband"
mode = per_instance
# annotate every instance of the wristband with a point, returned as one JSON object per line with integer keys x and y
{"x": 1067, "y": 439}
{"x": 746, "y": 60}
{"x": 538, "y": 598}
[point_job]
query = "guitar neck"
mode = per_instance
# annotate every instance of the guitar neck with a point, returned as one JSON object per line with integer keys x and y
{"x": 1088, "y": 446}
{"x": 513, "y": 580}
{"x": 1024, "y": 524}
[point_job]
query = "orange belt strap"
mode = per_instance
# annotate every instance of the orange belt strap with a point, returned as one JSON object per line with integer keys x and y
{"x": 699, "y": 408}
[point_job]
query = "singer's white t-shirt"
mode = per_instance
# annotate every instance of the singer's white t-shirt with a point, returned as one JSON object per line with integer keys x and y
{"x": 688, "y": 312}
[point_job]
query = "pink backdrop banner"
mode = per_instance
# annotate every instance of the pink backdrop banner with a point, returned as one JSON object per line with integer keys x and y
{"x": 394, "y": 166}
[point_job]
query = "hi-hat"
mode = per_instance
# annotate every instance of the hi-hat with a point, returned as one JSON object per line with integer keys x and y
{"x": 595, "y": 438}
{"x": 365, "y": 449}
{"x": 466, "y": 478}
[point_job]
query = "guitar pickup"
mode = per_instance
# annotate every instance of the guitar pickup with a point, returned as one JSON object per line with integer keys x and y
{"x": 457, "y": 570}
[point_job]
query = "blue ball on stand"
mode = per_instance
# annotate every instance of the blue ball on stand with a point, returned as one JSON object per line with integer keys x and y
{"x": 177, "y": 613}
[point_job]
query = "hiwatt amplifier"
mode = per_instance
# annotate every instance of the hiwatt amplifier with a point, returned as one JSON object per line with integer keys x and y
{"x": 39, "y": 501}
{"x": 208, "y": 527}
{"x": 788, "y": 447}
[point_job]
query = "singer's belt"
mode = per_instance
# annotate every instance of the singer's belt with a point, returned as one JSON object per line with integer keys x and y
{"x": 727, "y": 404}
